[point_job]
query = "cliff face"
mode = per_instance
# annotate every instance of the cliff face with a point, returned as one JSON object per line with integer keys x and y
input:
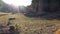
{"x": 46, "y": 5}
{"x": 40, "y": 6}
{"x": 45, "y": 8}
{"x": 54, "y": 5}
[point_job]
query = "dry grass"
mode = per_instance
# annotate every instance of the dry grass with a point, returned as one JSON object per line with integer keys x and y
{"x": 25, "y": 24}
{"x": 57, "y": 32}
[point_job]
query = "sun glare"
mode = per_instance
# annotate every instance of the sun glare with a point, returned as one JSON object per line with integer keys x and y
{"x": 18, "y": 2}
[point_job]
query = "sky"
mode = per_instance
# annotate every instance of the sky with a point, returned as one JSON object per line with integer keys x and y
{"x": 18, "y": 2}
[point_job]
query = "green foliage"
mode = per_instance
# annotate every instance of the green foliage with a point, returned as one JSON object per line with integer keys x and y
{"x": 1, "y": 1}
{"x": 1, "y": 5}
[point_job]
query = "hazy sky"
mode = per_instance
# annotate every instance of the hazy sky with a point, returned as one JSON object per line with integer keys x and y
{"x": 18, "y": 2}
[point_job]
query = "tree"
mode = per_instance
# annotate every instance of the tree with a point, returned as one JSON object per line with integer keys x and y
{"x": 1, "y": 2}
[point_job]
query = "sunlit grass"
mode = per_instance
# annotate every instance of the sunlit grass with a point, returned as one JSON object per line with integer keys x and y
{"x": 24, "y": 23}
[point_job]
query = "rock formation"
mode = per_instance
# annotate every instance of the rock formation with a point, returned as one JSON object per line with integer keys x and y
{"x": 45, "y": 8}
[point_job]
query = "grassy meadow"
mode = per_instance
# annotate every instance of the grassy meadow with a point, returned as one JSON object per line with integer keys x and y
{"x": 28, "y": 25}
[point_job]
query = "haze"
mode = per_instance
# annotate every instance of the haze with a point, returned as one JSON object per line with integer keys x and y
{"x": 18, "y": 2}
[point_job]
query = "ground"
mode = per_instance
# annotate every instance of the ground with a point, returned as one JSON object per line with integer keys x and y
{"x": 28, "y": 25}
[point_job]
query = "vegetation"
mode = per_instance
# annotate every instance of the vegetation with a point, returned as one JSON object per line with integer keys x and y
{"x": 27, "y": 25}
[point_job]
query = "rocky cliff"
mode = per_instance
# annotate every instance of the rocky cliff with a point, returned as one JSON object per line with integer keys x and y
{"x": 45, "y": 8}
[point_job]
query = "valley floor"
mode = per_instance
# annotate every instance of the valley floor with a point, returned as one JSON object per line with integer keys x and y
{"x": 28, "y": 25}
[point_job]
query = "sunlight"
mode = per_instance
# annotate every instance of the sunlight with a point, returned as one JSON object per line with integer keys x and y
{"x": 18, "y": 2}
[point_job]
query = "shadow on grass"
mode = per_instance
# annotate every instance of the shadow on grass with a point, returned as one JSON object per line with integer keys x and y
{"x": 12, "y": 30}
{"x": 46, "y": 16}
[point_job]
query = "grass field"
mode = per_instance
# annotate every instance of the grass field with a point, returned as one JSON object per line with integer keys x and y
{"x": 28, "y": 25}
